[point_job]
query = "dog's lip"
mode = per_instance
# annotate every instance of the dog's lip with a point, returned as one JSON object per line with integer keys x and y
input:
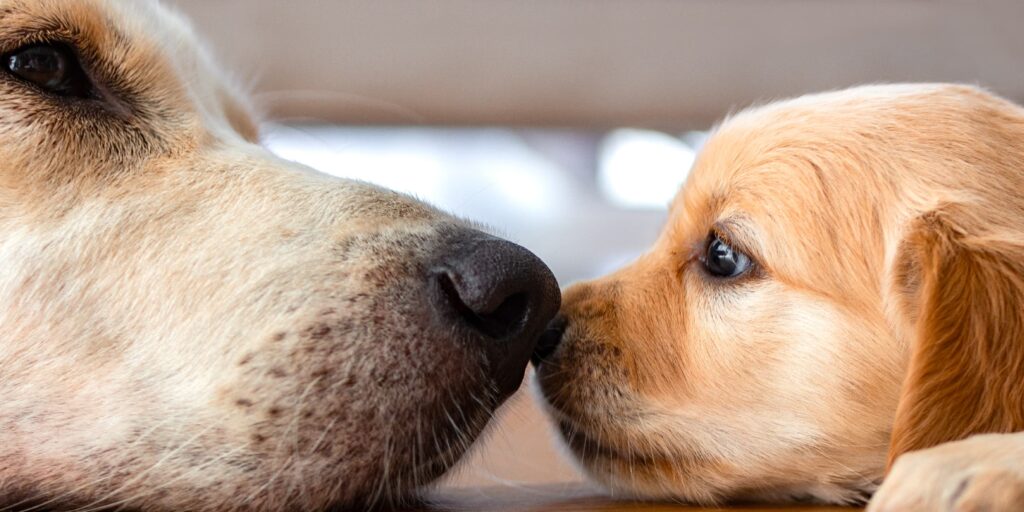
{"x": 587, "y": 447}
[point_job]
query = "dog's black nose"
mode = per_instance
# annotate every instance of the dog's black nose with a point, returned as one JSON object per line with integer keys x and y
{"x": 503, "y": 295}
{"x": 549, "y": 339}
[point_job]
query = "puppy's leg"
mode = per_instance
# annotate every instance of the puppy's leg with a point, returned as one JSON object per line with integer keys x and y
{"x": 981, "y": 473}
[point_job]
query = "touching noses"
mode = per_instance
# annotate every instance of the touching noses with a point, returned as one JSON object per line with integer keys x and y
{"x": 501, "y": 295}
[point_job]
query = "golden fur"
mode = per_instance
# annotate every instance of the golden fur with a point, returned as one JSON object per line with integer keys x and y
{"x": 884, "y": 313}
{"x": 190, "y": 323}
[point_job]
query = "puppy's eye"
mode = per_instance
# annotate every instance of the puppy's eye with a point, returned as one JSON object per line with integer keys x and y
{"x": 52, "y": 67}
{"x": 722, "y": 260}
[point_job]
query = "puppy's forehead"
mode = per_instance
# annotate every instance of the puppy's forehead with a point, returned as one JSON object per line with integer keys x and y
{"x": 834, "y": 154}
{"x": 810, "y": 182}
{"x": 800, "y": 145}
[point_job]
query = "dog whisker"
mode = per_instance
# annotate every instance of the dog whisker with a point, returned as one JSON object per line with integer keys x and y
{"x": 91, "y": 484}
{"x": 99, "y": 506}
{"x": 334, "y": 97}
{"x": 170, "y": 454}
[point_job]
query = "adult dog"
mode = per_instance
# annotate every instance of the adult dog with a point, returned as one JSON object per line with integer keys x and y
{"x": 841, "y": 281}
{"x": 189, "y": 323}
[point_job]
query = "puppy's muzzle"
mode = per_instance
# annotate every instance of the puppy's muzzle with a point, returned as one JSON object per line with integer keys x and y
{"x": 500, "y": 296}
{"x": 550, "y": 339}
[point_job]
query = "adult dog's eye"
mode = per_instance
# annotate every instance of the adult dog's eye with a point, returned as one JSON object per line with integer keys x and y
{"x": 722, "y": 260}
{"x": 52, "y": 67}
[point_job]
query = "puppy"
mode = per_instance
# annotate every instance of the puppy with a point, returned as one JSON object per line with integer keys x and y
{"x": 841, "y": 281}
{"x": 189, "y": 323}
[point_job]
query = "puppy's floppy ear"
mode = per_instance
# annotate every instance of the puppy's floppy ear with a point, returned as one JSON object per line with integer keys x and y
{"x": 959, "y": 283}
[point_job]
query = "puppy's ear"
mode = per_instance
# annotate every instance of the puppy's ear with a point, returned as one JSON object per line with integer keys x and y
{"x": 959, "y": 283}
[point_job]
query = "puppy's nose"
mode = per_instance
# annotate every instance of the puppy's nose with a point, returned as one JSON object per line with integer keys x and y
{"x": 503, "y": 295}
{"x": 549, "y": 339}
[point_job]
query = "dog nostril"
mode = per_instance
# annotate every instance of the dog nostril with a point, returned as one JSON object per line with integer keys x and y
{"x": 503, "y": 321}
{"x": 495, "y": 297}
{"x": 549, "y": 339}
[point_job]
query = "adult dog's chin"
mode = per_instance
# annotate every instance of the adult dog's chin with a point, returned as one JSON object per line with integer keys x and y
{"x": 419, "y": 452}
{"x": 435, "y": 447}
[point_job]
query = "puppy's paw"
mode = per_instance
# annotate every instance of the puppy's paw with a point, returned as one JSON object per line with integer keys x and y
{"x": 983, "y": 473}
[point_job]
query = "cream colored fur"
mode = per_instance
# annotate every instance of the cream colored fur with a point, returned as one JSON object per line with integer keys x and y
{"x": 188, "y": 322}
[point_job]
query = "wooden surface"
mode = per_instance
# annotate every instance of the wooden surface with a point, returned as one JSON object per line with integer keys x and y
{"x": 568, "y": 498}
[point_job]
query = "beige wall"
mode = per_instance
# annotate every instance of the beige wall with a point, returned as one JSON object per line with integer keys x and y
{"x": 669, "y": 63}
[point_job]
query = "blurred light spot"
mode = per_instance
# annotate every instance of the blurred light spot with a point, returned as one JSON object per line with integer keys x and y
{"x": 407, "y": 169}
{"x": 489, "y": 175}
{"x": 642, "y": 169}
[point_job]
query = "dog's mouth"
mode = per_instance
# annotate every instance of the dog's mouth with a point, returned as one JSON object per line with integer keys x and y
{"x": 586, "y": 444}
{"x": 581, "y": 426}
{"x": 590, "y": 447}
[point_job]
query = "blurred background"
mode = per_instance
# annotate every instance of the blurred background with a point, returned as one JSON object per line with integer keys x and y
{"x": 567, "y": 125}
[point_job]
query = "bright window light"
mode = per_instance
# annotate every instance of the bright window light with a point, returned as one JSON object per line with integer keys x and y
{"x": 642, "y": 169}
{"x": 489, "y": 175}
